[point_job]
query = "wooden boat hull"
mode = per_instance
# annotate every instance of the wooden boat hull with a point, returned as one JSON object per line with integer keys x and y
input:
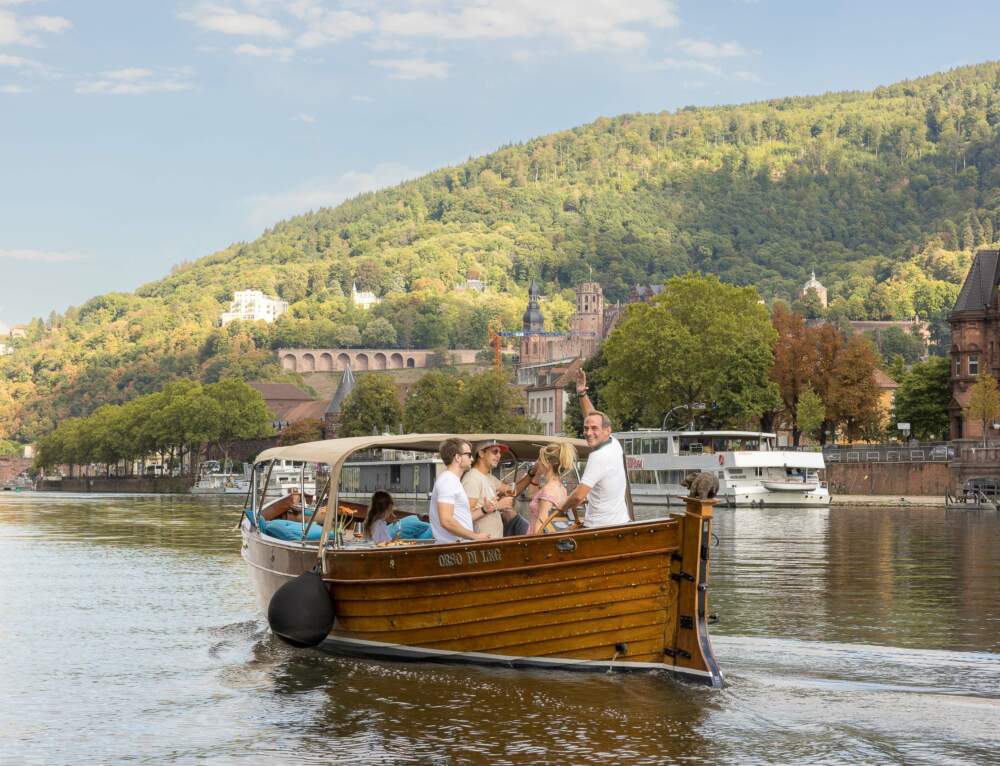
{"x": 626, "y": 597}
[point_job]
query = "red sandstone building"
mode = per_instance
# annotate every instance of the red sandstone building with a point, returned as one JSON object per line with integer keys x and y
{"x": 975, "y": 335}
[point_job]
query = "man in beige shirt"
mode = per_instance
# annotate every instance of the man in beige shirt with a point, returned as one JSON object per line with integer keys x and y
{"x": 489, "y": 495}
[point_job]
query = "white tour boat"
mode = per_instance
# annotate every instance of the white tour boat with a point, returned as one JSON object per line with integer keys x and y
{"x": 751, "y": 469}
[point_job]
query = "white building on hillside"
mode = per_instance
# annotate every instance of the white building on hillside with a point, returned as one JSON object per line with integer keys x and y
{"x": 253, "y": 305}
{"x": 363, "y": 299}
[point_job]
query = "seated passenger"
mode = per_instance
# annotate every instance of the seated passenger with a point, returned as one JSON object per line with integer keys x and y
{"x": 450, "y": 515}
{"x": 491, "y": 500}
{"x": 381, "y": 513}
{"x": 554, "y": 460}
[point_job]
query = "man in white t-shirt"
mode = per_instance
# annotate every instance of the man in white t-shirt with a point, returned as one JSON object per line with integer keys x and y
{"x": 603, "y": 484}
{"x": 451, "y": 517}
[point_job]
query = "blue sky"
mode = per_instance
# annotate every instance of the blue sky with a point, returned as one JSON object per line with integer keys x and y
{"x": 138, "y": 134}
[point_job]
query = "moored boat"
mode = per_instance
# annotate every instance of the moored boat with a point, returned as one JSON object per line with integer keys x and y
{"x": 625, "y": 597}
{"x": 751, "y": 469}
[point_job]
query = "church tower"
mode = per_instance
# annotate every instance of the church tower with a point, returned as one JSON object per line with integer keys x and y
{"x": 588, "y": 321}
{"x": 532, "y": 324}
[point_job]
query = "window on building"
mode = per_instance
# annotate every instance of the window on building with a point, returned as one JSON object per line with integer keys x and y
{"x": 973, "y": 364}
{"x": 958, "y": 366}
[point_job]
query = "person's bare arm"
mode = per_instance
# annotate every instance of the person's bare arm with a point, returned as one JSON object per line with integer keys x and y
{"x": 581, "y": 390}
{"x": 575, "y": 499}
{"x": 446, "y": 514}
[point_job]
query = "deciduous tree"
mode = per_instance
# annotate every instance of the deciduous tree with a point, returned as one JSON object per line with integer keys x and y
{"x": 923, "y": 397}
{"x": 984, "y": 402}
{"x": 372, "y": 407}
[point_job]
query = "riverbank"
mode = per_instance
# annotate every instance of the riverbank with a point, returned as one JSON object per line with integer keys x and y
{"x": 888, "y": 501}
{"x": 160, "y": 485}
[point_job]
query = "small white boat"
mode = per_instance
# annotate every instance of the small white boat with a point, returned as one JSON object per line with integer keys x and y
{"x": 212, "y": 480}
{"x": 751, "y": 469}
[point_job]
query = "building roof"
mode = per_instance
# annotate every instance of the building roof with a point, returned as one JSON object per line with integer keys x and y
{"x": 347, "y": 384}
{"x": 311, "y": 410}
{"x": 564, "y": 376}
{"x": 883, "y": 381}
{"x": 980, "y": 283}
{"x": 282, "y": 391}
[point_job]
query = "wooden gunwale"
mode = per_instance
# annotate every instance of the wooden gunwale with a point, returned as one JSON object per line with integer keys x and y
{"x": 488, "y": 572}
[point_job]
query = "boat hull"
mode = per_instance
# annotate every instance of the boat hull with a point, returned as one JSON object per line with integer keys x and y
{"x": 624, "y": 597}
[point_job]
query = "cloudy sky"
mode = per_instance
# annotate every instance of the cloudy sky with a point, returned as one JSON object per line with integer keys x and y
{"x": 138, "y": 134}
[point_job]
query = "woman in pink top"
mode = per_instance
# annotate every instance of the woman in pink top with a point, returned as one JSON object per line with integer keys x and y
{"x": 554, "y": 460}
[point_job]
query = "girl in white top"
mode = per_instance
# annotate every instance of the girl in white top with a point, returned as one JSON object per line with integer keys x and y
{"x": 380, "y": 515}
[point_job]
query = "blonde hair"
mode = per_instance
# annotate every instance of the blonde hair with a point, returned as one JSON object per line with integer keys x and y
{"x": 559, "y": 458}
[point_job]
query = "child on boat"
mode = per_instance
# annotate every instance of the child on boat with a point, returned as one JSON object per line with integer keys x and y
{"x": 554, "y": 460}
{"x": 380, "y": 513}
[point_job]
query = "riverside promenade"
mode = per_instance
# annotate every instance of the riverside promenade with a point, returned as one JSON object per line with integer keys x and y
{"x": 888, "y": 501}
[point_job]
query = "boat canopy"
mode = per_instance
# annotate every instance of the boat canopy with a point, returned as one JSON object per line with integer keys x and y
{"x": 334, "y": 452}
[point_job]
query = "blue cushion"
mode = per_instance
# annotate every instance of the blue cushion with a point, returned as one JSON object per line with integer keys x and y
{"x": 284, "y": 529}
{"x": 411, "y": 528}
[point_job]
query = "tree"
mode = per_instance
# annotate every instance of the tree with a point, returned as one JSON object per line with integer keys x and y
{"x": 984, "y": 402}
{"x": 430, "y": 406}
{"x": 810, "y": 412}
{"x": 795, "y": 359}
{"x": 923, "y": 397}
{"x": 854, "y": 396}
{"x": 308, "y": 430}
{"x": 379, "y": 333}
{"x": 244, "y": 414}
{"x": 675, "y": 350}
{"x": 489, "y": 403}
{"x": 372, "y": 407}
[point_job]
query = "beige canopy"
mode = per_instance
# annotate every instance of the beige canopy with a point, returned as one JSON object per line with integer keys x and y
{"x": 334, "y": 452}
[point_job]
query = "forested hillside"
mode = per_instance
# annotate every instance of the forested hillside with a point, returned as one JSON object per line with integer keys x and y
{"x": 885, "y": 194}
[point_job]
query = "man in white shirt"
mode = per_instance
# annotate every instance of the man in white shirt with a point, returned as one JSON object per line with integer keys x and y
{"x": 451, "y": 517}
{"x": 603, "y": 484}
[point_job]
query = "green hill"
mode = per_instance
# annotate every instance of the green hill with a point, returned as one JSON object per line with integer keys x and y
{"x": 885, "y": 194}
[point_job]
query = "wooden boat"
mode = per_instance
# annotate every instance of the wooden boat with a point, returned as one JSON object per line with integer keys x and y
{"x": 626, "y": 597}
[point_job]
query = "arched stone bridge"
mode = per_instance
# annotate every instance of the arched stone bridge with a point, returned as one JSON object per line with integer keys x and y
{"x": 360, "y": 359}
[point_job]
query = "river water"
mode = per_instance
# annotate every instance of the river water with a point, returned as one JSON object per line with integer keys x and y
{"x": 128, "y": 634}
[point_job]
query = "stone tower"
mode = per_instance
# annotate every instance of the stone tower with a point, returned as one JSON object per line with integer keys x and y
{"x": 532, "y": 323}
{"x": 588, "y": 321}
{"x": 331, "y": 418}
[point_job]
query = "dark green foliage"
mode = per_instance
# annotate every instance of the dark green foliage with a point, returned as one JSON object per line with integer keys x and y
{"x": 923, "y": 397}
{"x": 371, "y": 408}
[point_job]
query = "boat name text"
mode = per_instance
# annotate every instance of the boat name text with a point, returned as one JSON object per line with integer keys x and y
{"x": 488, "y": 556}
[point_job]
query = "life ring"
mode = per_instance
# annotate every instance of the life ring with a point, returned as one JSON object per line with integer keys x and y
{"x": 722, "y": 459}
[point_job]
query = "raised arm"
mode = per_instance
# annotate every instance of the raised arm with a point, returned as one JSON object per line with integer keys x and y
{"x": 581, "y": 390}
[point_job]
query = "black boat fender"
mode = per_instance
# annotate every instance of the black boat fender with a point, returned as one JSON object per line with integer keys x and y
{"x": 301, "y": 611}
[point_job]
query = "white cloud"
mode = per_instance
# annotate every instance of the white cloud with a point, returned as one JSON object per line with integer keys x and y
{"x": 278, "y": 54}
{"x": 137, "y": 81}
{"x": 584, "y": 24}
{"x": 690, "y": 65}
{"x": 13, "y": 90}
{"x": 308, "y": 119}
{"x": 229, "y": 21}
{"x": 332, "y": 27}
{"x": 267, "y": 209}
{"x": 43, "y": 256}
{"x": 16, "y": 61}
{"x": 413, "y": 69}
{"x": 18, "y": 29}
{"x": 704, "y": 49}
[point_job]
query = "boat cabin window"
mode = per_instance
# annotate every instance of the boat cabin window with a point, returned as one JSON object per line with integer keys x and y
{"x": 692, "y": 445}
{"x": 642, "y": 476}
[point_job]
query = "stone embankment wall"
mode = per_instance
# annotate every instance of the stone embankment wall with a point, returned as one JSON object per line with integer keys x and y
{"x": 161, "y": 485}
{"x": 889, "y": 478}
{"x": 12, "y": 466}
